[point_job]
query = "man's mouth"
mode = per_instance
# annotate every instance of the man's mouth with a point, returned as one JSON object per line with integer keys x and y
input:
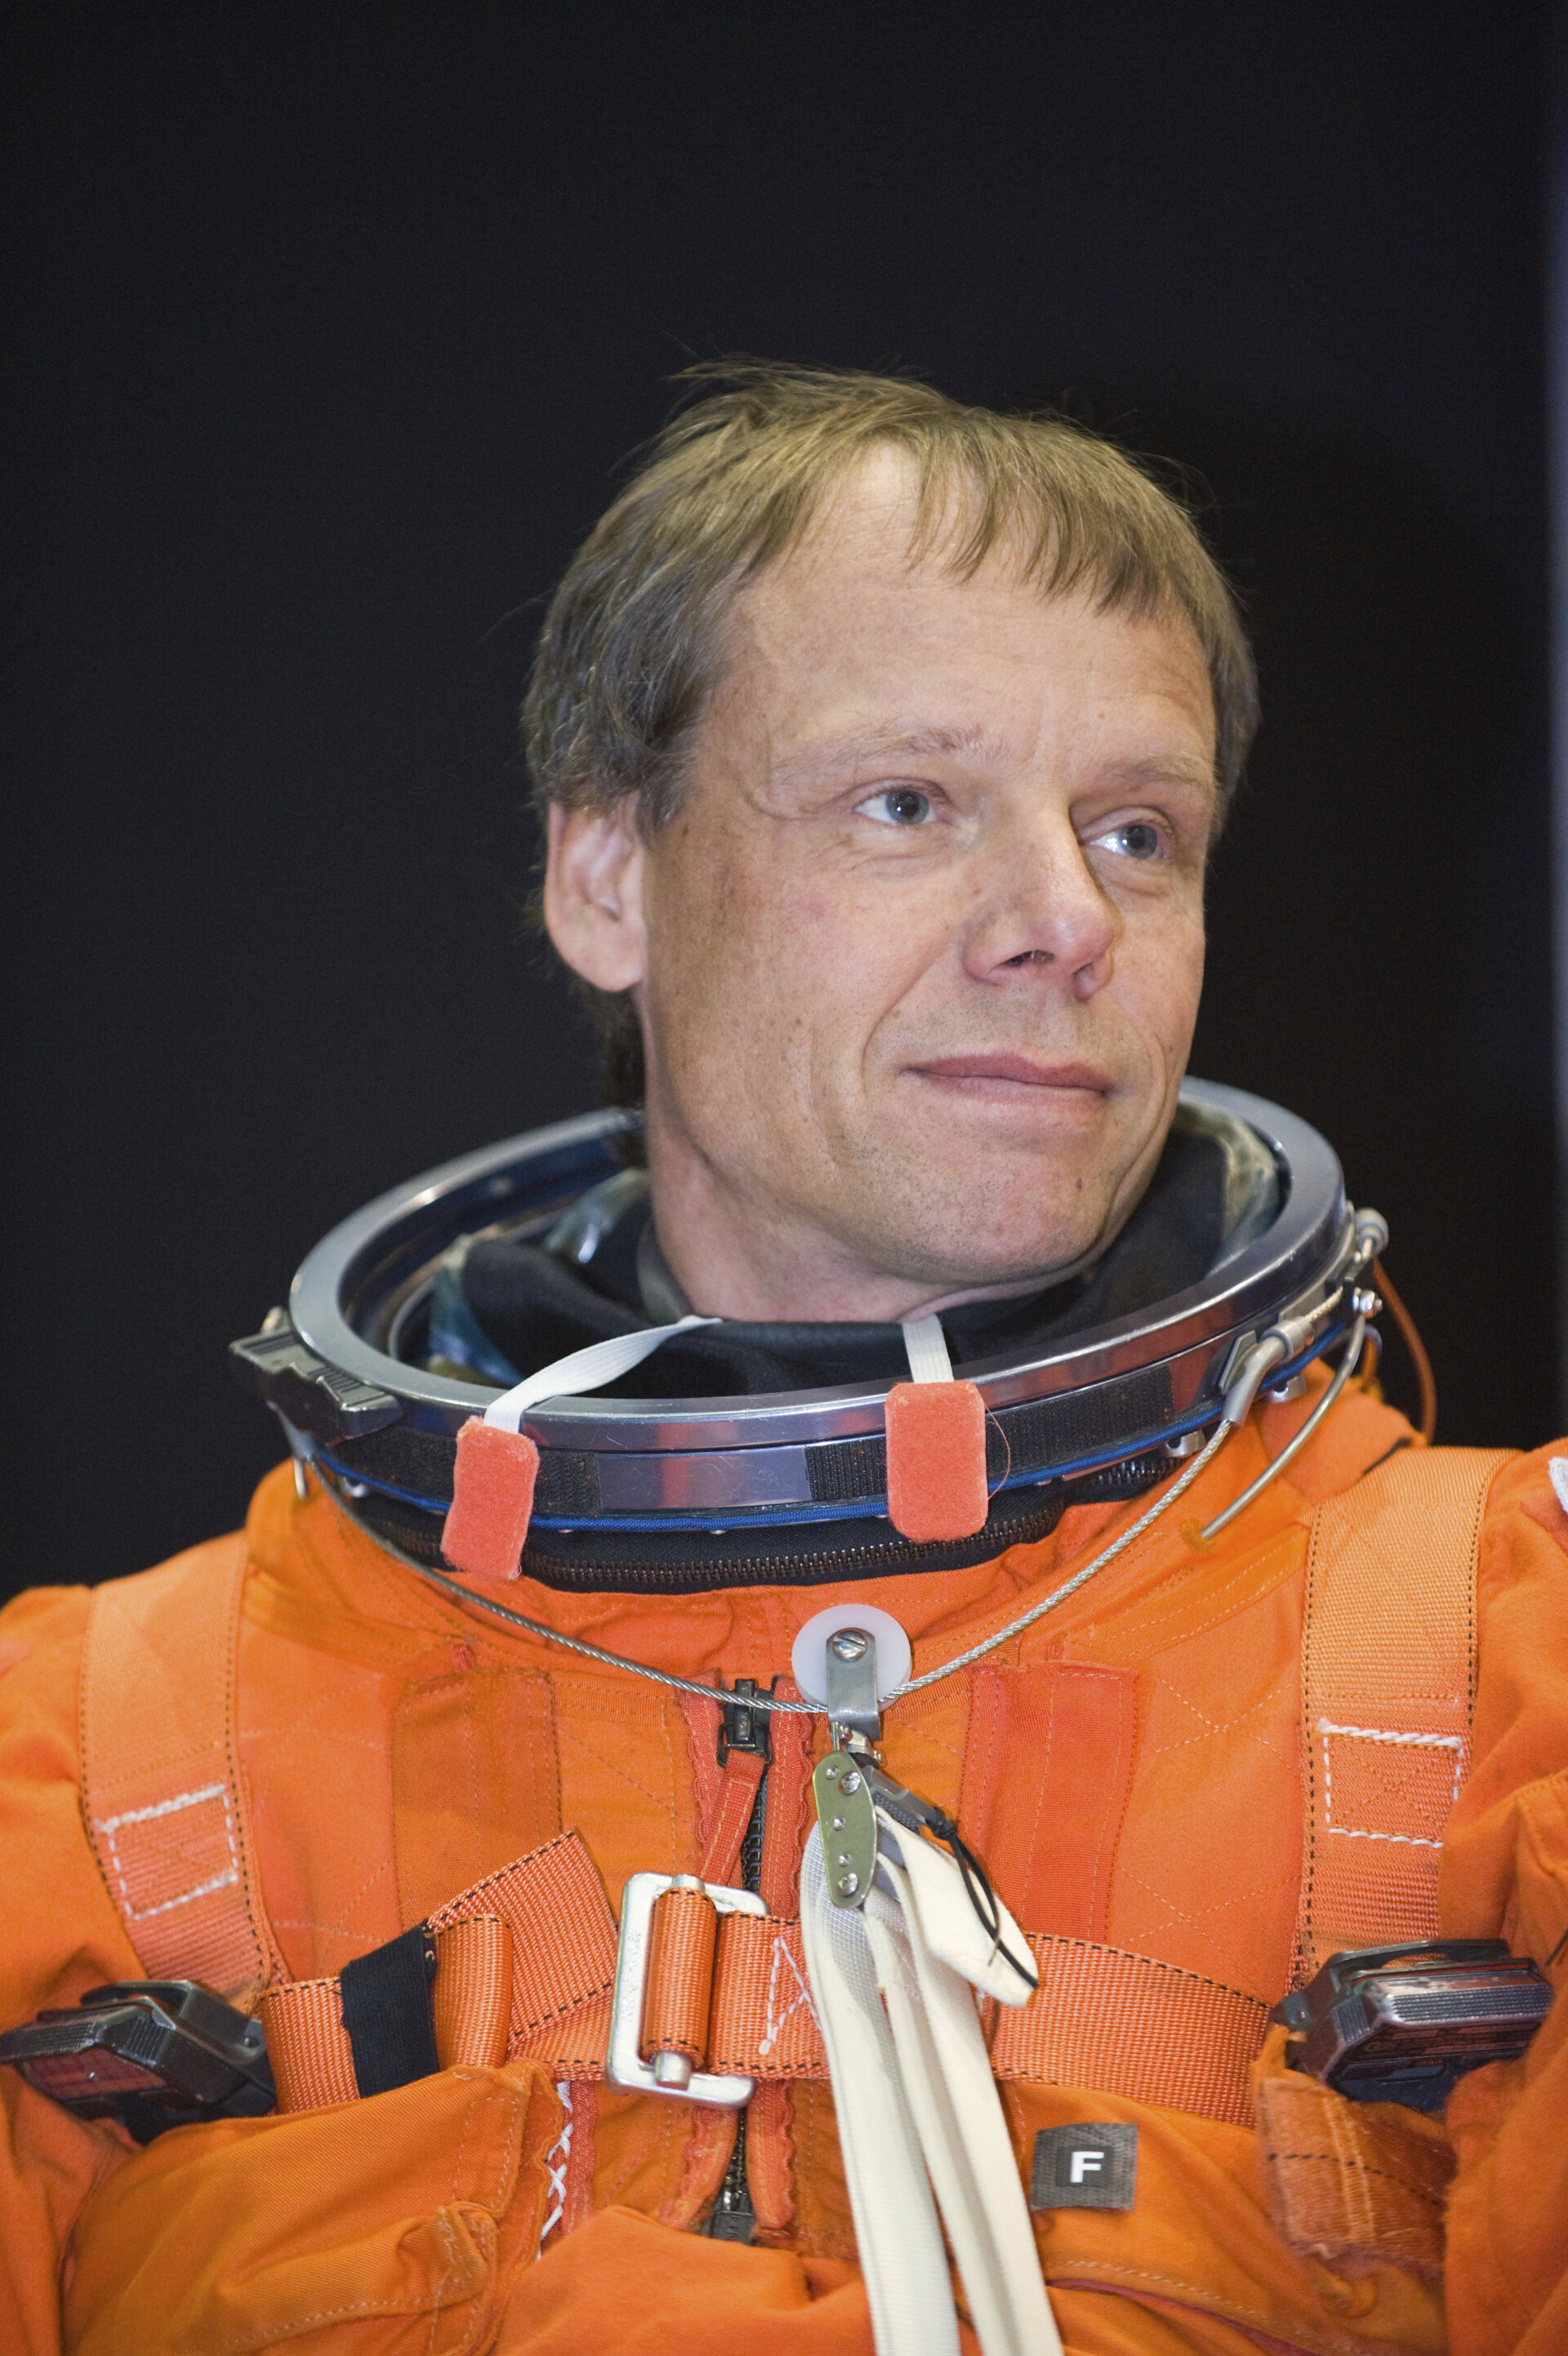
{"x": 1014, "y": 1075}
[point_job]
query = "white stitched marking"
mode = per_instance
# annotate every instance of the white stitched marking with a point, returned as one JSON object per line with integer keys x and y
{"x": 1411, "y": 1840}
{"x": 557, "y": 2172}
{"x": 775, "y": 2020}
{"x": 1327, "y": 1726}
{"x": 110, "y": 1826}
{"x": 1387, "y": 1734}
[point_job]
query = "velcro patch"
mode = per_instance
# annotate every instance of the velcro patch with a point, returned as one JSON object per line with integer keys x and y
{"x": 492, "y": 1497}
{"x": 936, "y": 1460}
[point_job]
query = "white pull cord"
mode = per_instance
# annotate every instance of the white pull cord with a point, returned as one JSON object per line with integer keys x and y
{"x": 916, "y": 2100}
{"x": 583, "y": 1370}
{"x": 898, "y": 2240}
{"x": 926, "y": 1346}
{"x": 963, "y": 2136}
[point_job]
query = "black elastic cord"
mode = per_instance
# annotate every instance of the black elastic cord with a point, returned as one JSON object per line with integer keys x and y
{"x": 982, "y": 1897}
{"x": 386, "y": 2012}
{"x": 976, "y": 1881}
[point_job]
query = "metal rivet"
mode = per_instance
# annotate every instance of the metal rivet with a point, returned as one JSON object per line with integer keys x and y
{"x": 851, "y": 1781}
{"x": 848, "y": 1884}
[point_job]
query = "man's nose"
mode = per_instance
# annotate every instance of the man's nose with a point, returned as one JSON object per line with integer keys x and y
{"x": 1041, "y": 910}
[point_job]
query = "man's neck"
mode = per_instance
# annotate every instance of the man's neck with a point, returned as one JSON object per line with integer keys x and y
{"x": 749, "y": 1264}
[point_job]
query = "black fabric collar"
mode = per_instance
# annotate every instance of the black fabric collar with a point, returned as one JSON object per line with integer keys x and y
{"x": 533, "y": 1306}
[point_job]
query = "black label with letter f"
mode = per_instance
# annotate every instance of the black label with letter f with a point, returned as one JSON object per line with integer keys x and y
{"x": 1084, "y": 2167}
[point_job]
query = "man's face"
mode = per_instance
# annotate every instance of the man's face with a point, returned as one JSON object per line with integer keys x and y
{"x": 918, "y": 959}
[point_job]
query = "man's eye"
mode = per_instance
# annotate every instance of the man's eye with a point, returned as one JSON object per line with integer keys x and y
{"x": 1137, "y": 840}
{"x": 897, "y": 805}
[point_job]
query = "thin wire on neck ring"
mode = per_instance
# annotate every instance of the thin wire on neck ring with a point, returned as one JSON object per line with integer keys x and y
{"x": 768, "y": 1702}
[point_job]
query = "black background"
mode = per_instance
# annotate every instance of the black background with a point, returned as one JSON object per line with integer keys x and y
{"x": 328, "y": 328}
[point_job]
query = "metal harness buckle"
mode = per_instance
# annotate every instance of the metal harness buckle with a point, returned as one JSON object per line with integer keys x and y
{"x": 667, "y": 2074}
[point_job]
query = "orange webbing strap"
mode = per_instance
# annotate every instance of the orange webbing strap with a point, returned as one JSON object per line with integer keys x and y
{"x": 1103, "y": 2018}
{"x": 471, "y": 1999}
{"x": 1350, "y": 2182}
{"x": 739, "y": 2002}
{"x": 682, "y": 1939}
{"x": 524, "y": 1964}
{"x": 1388, "y": 1690}
{"x": 161, "y": 1792}
{"x": 1123, "y": 2024}
{"x": 563, "y": 1951}
{"x": 763, "y": 2023}
{"x": 738, "y": 1788}
{"x": 307, "y": 2045}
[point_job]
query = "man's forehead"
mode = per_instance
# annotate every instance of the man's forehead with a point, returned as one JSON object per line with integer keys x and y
{"x": 975, "y": 695}
{"x": 867, "y": 575}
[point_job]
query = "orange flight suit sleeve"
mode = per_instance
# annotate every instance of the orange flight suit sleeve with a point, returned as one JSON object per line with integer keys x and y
{"x": 60, "y": 1936}
{"x": 1505, "y": 1875}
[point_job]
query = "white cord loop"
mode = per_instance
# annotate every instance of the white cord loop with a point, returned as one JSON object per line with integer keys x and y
{"x": 583, "y": 1370}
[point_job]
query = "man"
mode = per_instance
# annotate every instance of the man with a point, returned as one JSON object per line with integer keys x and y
{"x": 883, "y": 745}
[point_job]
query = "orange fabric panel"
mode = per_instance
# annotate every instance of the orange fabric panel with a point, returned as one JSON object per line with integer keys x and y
{"x": 624, "y": 1751}
{"x": 474, "y": 1780}
{"x": 1227, "y": 2283}
{"x": 1207, "y": 1873}
{"x": 316, "y": 1754}
{"x": 1046, "y": 1776}
{"x": 627, "y": 2284}
{"x": 49, "y": 2166}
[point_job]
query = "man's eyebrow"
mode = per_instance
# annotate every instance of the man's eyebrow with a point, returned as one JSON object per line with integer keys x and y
{"x": 1163, "y": 768}
{"x": 862, "y": 746}
{"x": 863, "y": 749}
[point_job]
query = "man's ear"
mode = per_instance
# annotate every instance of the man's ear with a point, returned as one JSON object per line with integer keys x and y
{"x": 593, "y": 892}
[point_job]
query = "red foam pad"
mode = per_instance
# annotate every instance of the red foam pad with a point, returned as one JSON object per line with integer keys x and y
{"x": 936, "y": 1460}
{"x": 492, "y": 1497}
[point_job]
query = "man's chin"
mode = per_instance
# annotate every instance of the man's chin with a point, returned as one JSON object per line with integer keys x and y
{"x": 948, "y": 1269}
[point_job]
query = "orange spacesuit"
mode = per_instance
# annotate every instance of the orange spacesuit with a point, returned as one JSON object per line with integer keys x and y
{"x": 1198, "y": 1820}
